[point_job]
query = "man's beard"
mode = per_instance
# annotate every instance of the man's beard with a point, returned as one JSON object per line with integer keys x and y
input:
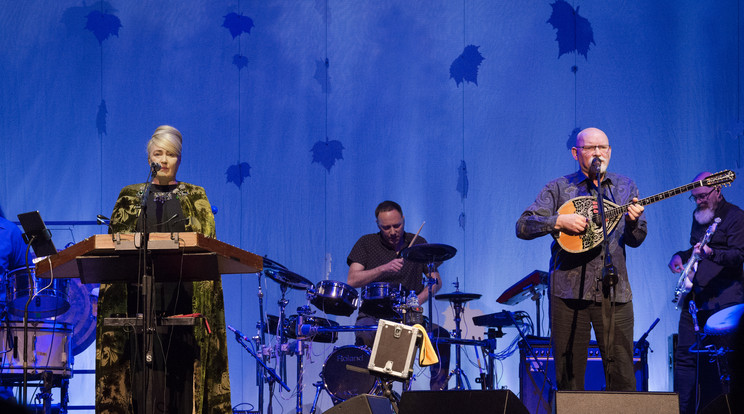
{"x": 704, "y": 215}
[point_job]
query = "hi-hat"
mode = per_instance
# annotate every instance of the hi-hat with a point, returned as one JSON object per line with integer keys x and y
{"x": 428, "y": 253}
{"x": 281, "y": 275}
{"x": 458, "y": 297}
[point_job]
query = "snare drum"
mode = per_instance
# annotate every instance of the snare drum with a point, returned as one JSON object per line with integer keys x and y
{"x": 343, "y": 383}
{"x": 335, "y": 298}
{"x": 50, "y": 299}
{"x": 49, "y": 348}
{"x": 379, "y": 299}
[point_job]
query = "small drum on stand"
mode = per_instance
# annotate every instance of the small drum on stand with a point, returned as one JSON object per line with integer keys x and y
{"x": 49, "y": 296}
{"x": 49, "y": 349}
{"x": 334, "y": 298}
{"x": 379, "y": 299}
{"x": 724, "y": 321}
{"x": 340, "y": 381}
{"x": 316, "y": 322}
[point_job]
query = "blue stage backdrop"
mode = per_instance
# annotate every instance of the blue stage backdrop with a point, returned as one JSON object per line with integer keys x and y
{"x": 300, "y": 116}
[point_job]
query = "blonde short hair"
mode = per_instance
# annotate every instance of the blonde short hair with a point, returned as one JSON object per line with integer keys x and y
{"x": 168, "y": 138}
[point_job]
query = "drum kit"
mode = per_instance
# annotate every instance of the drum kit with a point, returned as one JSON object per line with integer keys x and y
{"x": 61, "y": 324}
{"x": 379, "y": 299}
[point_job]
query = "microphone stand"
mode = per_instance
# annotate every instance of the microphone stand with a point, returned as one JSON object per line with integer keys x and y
{"x": 272, "y": 374}
{"x": 609, "y": 272}
{"x": 148, "y": 313}
{"x": 642, "y": 345}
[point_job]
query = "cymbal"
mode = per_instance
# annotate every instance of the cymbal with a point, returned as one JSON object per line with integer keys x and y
{"x": 280, "y": 274}
{"x": 270, "y": 264}
{"x": 458, "y": 297}
{"x": 428, "y": 252}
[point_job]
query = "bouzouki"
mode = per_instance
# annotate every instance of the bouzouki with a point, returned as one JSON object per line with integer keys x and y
{"x": 592, "y": 236}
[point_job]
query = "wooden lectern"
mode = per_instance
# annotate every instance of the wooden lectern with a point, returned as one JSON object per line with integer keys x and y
{"x": 107, "y": 258}
{"x": 185, "y": 256}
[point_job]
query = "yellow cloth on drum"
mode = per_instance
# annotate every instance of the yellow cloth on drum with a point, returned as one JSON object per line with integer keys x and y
{"x": 427, "y": 354}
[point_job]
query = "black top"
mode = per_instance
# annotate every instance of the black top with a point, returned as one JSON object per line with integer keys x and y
{"x": 164, "y": 214}
{"x": 719, "y": 280}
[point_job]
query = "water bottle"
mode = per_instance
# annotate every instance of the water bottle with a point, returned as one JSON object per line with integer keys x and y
{"x": 412, "y": 300}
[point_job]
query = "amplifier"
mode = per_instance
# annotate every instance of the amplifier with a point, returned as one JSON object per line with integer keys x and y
{"x": 535, "y": 392}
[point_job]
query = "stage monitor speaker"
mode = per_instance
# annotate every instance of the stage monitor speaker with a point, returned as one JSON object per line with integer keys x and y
{"x": 468, "y": 401}
{"x": 363, "y": 404}
{"x": 613, "y": 402}
{"x": 535, "y": 392}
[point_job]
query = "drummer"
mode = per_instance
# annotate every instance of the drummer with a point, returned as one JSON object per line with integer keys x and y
{"x": 717, "y": 284}
{"x": 375, "y": 258}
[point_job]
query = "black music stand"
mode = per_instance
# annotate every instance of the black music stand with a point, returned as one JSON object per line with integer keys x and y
{"x": 36, "y": 234}
{"x": 39, "y": 238}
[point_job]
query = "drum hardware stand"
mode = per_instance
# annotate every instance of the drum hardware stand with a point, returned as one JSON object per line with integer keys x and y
{"x": 488, "y": 350}
{"x": 458, "y": 372}
{"x": 46, "y": 392}
{"x": 302, "y": 311}
{"x": 482, "y": 376}
{"x": 260, "y": 340}
{"x": 430, "y": 282}
{"x": 536, "y": 295}
{"x": 318, "y": 387}
{"x": 283, "y": 347}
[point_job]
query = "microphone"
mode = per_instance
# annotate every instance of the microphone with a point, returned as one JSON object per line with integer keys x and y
{"x": 596, "y": 165}
{"x": 238, "y": 333}
{"x": 155, "y": 166}
{"x": 101, "y": 219}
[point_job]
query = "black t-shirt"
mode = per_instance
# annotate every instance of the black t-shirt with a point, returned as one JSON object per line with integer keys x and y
{"x": 371, "y": 251}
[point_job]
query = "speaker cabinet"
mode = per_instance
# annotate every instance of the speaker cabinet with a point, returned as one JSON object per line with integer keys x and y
{"x": 612, "y": 402}
{"x": 469, "y": 401}
{"x": 363, "y": 404}
{"x": 535, "y": 392}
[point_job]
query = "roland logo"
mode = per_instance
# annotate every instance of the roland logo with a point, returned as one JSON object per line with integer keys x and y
{"x": 350, "y": 358}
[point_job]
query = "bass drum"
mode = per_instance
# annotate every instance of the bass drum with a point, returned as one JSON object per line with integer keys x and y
{"x": 82, "y": 314}
{"x": 50, "y": 296}
{"x": 343, "y": 383}
{"x": 49, "y": 348}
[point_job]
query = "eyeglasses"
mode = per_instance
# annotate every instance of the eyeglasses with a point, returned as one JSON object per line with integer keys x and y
{"x": 601, "y": 148}
{"x": 701, "y": 197}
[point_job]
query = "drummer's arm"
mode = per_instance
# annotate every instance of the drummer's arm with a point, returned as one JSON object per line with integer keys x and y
{"x": 424, "y": 294}
{"x": 358, "y": 276}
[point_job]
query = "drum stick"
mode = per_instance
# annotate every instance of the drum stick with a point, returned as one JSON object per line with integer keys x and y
{"x": 355, "y": 368}
{"x": 415, "y": 236}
